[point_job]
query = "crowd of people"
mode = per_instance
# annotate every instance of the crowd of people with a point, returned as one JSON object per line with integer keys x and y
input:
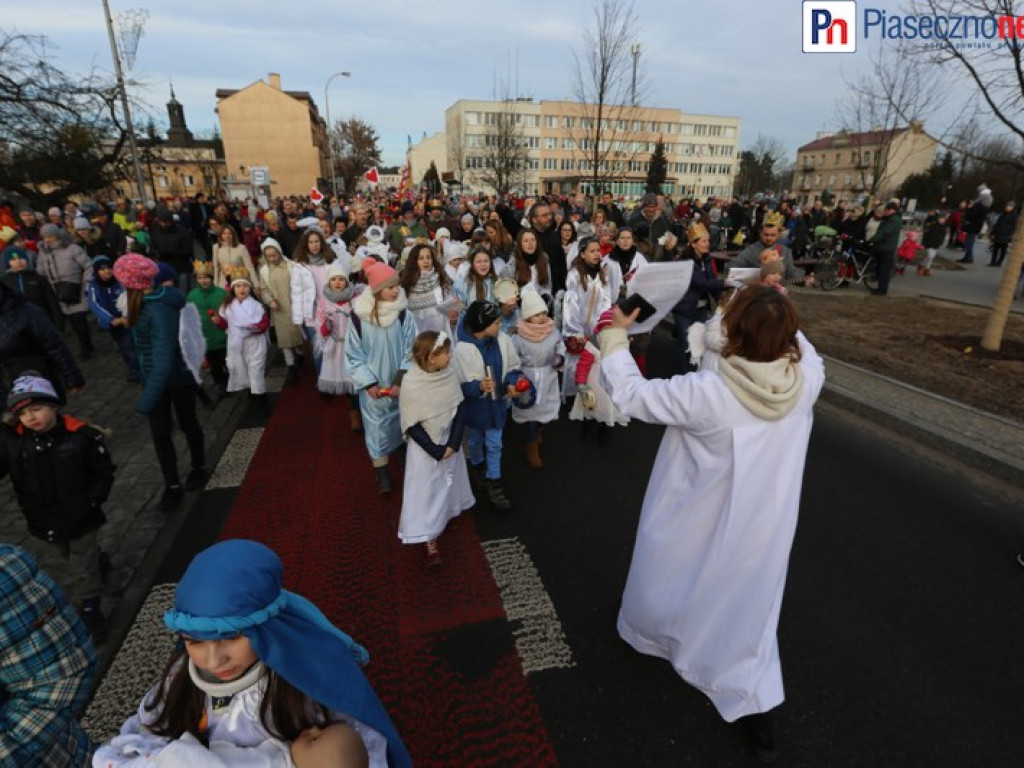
{"x": 440, "y": 320}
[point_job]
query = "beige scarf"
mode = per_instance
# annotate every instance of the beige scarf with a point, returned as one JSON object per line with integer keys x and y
{"x": 429, "y": 399}
{"x": 768, "y": 390}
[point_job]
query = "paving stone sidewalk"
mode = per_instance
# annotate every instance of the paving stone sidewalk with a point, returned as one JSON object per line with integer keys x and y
{"x": 133, "y": 525}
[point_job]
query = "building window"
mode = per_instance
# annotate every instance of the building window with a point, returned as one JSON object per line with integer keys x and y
{"x": 550, "y": 121}
{"x": 567, "y": 143}
{"x": 730, "y": 132}
{"x": 188, "y": 181}
{"x": 686, "y": 129}
{"x": 550, "y": 164}
{"x": 161, "y": 181}
{"x": 532, "y": 165}
{"x": 472, "y": 118}
{"x": 550, "y": 143}
{"x": 568, "y": 122}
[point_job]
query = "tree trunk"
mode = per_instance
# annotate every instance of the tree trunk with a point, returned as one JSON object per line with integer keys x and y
{"x": 992, "y": 339}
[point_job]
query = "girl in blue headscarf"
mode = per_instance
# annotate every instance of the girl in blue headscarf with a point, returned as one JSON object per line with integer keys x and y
{"x": 260, "y": 679}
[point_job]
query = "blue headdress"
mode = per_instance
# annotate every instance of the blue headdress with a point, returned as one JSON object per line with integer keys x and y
{"x": 288, "y": 633}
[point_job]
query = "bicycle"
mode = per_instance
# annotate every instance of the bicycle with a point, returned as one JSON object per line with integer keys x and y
{"x": 852, "y": 261}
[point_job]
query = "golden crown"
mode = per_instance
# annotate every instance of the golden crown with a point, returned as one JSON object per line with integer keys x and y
{"x": 695, "y": 232}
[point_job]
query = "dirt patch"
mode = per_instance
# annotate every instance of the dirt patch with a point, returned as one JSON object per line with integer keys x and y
{"x": 931, "y": 344}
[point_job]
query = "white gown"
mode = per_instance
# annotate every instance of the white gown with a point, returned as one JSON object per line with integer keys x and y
{"x": 581, "y": 309}
{"x": 709, "y": 566}
{"x": 536, "y": 357}
{"x": 434, "y": 492}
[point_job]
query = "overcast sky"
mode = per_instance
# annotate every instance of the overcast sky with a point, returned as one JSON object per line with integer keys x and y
{"x": 410, "y": 60}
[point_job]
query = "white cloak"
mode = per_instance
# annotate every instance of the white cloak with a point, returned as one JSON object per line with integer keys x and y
{"x": 434, "y": 492}
{"x": 709, "y": 566}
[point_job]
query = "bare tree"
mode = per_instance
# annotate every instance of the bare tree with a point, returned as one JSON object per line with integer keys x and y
{"x": 62, "y": 131}
{"x": 996, "y": 78}
{"x": 896, "y": 93}
{"x": 504, "y": 155}
{"x": 606, "y": 129}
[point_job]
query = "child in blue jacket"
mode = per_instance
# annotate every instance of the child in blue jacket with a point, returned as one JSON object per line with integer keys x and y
{"x": 488, "y": 367}
{"x": 102, "y": 293}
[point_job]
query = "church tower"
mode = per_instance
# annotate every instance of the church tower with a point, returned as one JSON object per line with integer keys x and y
{"x": 178, "y": 134}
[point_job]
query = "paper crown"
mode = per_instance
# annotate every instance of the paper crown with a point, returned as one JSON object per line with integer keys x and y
{"x": 234, "y": 273}
{"x": 200, "y": 267}
{"x": 773, "y": 219}
{"x": 695, "y": 232}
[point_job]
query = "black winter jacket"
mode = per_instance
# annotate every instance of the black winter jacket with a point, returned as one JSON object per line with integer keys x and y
{"x": 61, "y": 477}
{"x": 28, "y": 341}
{"x": 704, "y": 286}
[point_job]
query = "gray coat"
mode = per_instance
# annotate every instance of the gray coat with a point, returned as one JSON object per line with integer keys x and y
{"x": 66, "y": 263}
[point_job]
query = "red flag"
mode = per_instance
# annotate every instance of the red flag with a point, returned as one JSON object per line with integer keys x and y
{"x": 315, "y": 196}
{"x": 372, "y": 176}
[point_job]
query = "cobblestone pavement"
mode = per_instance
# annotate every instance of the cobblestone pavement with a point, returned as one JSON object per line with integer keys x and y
{"x": 133, "y": 524}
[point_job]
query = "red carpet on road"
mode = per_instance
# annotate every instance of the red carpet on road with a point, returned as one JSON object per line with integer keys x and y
{"x": 442, "y": 656}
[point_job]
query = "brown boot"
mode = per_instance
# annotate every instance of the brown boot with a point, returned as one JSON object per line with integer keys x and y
{"x": 920, "y": 270}
{"x": 533, "y": 460}
{"x": 927, "y": 272}
{"x": 355, "y": 420}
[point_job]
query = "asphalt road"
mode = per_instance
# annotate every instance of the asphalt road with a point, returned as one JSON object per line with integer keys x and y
{"x": 900, "y": 627}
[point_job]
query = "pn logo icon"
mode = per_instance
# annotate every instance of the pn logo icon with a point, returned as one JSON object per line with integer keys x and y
{"x": 829, "y": 26}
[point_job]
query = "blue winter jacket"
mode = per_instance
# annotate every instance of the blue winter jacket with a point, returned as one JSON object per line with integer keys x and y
{"x": 483, "y": 411}
{"x": 103, "y": 300}
{"x": 156, "y": 342}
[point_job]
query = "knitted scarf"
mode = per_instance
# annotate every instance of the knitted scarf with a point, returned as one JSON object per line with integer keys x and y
{"x": 535, "y": 331}
{"x": 768, "y": 390}
{"x": 422, "y": 295}
{"x": 337, "y": 297}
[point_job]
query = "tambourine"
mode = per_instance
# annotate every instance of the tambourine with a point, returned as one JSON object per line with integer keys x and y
{"x": 506, "y": 290}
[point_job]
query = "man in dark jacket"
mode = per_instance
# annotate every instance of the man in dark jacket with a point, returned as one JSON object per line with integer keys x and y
{"x": 1002, "y": 233}
{"x": 171, "y": 242}
{"x": 974, "y": 221}
{"x": 885, "y": 242}
{"x": 28, "y": 341}
{"x": 112, "y": 239}
{"x": 543, "y": 223}
{"x": 648, "y": 221}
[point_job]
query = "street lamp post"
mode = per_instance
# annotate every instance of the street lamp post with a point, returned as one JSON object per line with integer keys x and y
{"x": 124, "y": 104}
{"x": 327, "y": 111}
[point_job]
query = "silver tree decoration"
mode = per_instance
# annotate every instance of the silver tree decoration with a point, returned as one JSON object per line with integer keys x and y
{"x": 130, "y": 27}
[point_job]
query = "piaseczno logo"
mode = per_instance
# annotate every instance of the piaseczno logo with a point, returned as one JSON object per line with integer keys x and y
{"x": 829, "y": 26}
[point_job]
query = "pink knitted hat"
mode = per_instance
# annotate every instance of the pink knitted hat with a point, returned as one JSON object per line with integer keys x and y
{"x": 379, "y": 275}
{"x": 135, "y": 271}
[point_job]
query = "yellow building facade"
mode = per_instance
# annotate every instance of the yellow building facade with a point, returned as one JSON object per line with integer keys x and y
{"x": 851, "y": 166}
{"x": 263, "y": 126}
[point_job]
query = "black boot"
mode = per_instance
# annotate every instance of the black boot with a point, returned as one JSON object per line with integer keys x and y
{"x": 292, "y": 376}
{"x": 383, "y": 479}
{"x": 263, "y": 403}
{"x": 759, "y": 731}
{"x": 478, "y": 477}
{"x": 496, "y": 495}
{"x": 171, "y": 498}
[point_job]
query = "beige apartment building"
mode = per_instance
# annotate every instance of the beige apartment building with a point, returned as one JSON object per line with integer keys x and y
{"x": 282, "y": 131}
{"x": 702, "y": 150}
{"x": 848, "y": 165}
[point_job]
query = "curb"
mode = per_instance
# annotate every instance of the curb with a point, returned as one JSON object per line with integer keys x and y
{"x": 972, "y": 453}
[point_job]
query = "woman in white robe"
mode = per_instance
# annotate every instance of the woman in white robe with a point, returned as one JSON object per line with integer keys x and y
{"x": 709, "y": 565}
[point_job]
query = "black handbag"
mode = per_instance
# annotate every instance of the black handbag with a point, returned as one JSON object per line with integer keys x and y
{"x": 67, "y": 292}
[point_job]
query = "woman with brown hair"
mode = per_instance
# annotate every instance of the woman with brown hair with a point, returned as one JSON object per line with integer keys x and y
{"x": 705, "y": 585}
{"x": 426, "y": 286}
{"x": 230, "y": 257}
{"x": 529, "y": 264}
{"x": 309, "y": 276}
{"x": 501, "y": 240}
